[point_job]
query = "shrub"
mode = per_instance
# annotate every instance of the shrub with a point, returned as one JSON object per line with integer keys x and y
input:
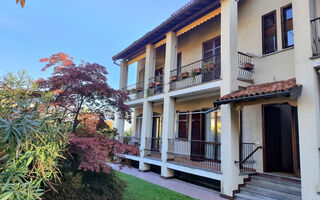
{"x": 86, "y": 185}
{"x": 30, "y": 143}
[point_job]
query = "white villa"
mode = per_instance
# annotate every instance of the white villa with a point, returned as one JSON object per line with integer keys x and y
{"x": 229, "y": 90}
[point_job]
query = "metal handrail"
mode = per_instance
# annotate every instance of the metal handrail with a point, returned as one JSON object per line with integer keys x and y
{"x": 251, "y": 154}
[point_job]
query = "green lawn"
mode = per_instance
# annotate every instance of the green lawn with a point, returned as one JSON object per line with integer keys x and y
{"x": 138, "y": 189}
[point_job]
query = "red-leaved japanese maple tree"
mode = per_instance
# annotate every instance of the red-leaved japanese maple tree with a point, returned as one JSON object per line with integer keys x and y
{"x": 82, "y": 86}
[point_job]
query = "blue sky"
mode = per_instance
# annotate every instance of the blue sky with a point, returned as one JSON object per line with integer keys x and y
{"x": 92, "y": 30}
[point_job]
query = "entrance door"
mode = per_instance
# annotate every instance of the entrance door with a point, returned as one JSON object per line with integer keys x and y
{"x": 280, "y": 141}
{"x": 197, "y": 137}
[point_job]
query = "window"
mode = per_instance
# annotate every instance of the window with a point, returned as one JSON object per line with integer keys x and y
{"x": 178, "y": 63}
{"x": 213, "y": 134}
{"x": 183, "y": 125}
{"x": 287, "y": 27}
{"x": 269, "y": 33}
{"x": 211, "y": 48}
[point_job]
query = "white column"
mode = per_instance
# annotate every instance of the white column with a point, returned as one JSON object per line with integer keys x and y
{"x": 229, "y": 115}
{"x": 150, "y": 65}
{"x": 146, "y": 130}
{"x": 308, "y": 102}
{"x": 169, "y": 103}
{"x": 123, "y": 83}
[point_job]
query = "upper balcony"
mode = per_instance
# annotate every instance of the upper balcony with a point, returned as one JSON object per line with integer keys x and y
{"x": 196, "y": 73}
{"x": 135, "y": 91}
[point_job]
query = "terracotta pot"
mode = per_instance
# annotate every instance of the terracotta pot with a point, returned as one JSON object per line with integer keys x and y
{"x": 185, "y": 74}
{"x": 158, "y": 83}
{"x": 173, "y": 78}
{"x": 247, "y": 66}
{"x": 151, "y": 85}
{"x": 197, "y": 71}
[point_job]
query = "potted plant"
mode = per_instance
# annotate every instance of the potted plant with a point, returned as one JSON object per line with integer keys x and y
{"x": 197, "y": 70}
{"x": 150, "y": 85}
{"x": 158, "y": 81}
{"x": 193, "y": 75}
{"x": 173, "y": 78}
{"x": 139, "y": 89}
{"x": 133, "y": 90}
{"x": 148, "y": 92}
{"x": 247, "y": 66}
{"x": 185, "y": 74}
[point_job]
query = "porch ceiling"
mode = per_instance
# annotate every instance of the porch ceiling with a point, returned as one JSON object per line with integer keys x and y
{"x": 287, "y": 88}
{"x": 182, "y": 17}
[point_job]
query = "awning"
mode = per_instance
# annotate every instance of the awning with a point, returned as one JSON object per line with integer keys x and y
{"x": 288, "y": 89}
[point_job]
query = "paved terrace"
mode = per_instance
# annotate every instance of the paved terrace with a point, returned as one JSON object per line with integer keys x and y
{"x": 182, "y": 187}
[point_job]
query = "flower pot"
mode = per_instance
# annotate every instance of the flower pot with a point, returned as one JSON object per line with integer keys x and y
{"x": 151, "y": 85}
{"x": 185, "y": 74}
{"x": 248, "y": 66}
{"x": 173, "y": 78}
{"x": 197, "y": 71}
{"x": 140, "y": 89}
{"x": 158, "y": 83}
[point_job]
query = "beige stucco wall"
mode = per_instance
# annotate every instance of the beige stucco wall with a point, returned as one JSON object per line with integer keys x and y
{"x": 196, "y": 104}
{"x": 252, "y": 131}
{"x": 276, "y": 66}
{"x": 190, "y": 43}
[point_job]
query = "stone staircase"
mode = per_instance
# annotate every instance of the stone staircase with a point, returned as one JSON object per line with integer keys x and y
{"x": 270, "y": 187}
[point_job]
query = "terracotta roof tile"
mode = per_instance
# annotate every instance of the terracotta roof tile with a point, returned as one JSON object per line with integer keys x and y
{"x": 266, "y": 88}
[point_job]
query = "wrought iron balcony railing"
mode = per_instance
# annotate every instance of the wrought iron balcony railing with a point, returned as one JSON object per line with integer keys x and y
{"x": 197, "y": 153}
{"x": 155, "y": 85}
{"x": 153, "y": 147}
{"x": 315, "y": 25}
{"x": 135, "y": 91}
{"x": 196, "y": 73}
{"x": 246, "y": 68}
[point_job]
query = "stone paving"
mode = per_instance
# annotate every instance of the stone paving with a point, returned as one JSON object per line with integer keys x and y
{"x": 182, "y": 187}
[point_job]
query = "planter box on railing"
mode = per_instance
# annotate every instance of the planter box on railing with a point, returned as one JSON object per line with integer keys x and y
{"x": 196, "y": 73}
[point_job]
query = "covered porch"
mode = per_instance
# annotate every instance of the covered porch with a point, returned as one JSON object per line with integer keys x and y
{"x": 268, "y": 138}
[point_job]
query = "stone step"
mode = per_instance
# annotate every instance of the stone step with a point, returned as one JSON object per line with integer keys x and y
{"x": 270, "y": 193}
{"x": 275, "y": 186}
{"x": 276, "y": 181}
{"x": 245, "y": 195}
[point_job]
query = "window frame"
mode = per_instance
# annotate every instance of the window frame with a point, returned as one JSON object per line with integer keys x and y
{"x": 274, "y": 12}
{"x": 179, "y": 63}
{"x": 214, "y": 47}
{"x": 179, "y": 135}
{"x": 283, "y": 25}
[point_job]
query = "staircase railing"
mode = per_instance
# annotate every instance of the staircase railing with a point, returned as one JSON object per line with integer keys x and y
{"x": 247, "y": 161}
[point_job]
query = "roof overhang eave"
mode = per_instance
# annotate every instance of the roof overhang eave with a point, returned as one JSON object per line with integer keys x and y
{"x": 293, "y": 93}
